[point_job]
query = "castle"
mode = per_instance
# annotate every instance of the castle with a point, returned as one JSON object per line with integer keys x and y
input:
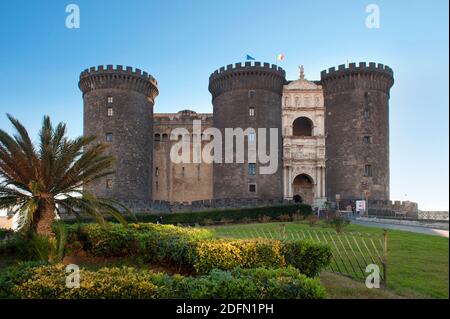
{"x": 333, "y": 141}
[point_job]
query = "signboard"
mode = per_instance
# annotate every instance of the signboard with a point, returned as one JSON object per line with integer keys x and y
{"x": 360, "y": 206}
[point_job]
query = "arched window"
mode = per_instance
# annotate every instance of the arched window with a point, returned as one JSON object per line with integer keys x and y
{"x": 165, "y": 137}
{"x": 302, "y": 126}
{"x": 157, "y": 137}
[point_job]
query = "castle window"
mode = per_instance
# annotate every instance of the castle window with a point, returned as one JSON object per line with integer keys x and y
{"x": 157, "y": 137}
{"x": 156, "y": 171}
{"x": 251, "y": 169}
{"x": 109, "y": 137}
{"x": 164, "y": 137}
{"x": 368, "y": 171}
{"x": 251, "y": 94}
{"x": 251, "y": 111}
{"x": 109, "y": 111}
{"x": 109, "y": 183}
{"x": 252, "y": 188}
{"x": 182, "y": 171}
{"x": 251, "y": 137}
{"x": 366, "y": 113}
{"x": 110, "y": 100}
{"x": 367, "y": 139}
{"x": 302, "y": 126}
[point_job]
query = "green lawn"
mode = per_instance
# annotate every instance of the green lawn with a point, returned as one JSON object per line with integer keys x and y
{"x": 418, "y": 265}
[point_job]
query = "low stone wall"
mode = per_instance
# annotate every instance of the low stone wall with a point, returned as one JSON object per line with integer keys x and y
{"x": 433, "y": 215}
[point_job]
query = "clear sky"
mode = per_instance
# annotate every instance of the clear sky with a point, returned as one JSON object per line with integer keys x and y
{"x": 181, "y": 42}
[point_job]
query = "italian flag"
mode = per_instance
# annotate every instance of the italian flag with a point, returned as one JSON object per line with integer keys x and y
{"x": 280, "y": 57}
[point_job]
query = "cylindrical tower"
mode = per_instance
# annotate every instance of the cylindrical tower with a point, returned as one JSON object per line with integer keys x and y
{"x": 118, "y": 109}
{"x": 357, "y": 130}
{"x": 248, "y": 96}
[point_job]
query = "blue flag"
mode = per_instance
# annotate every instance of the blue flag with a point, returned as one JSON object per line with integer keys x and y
{"x": 249, "y": 58}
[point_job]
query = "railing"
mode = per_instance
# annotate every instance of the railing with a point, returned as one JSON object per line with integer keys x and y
{"x": 352, "y": 252}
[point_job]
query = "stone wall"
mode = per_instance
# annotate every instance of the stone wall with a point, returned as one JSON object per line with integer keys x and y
{"x": 179, "y": 182}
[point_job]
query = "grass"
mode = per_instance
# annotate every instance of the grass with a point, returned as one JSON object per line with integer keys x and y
{"x": 418, "y": 264}
{"x": 340, "y": 287}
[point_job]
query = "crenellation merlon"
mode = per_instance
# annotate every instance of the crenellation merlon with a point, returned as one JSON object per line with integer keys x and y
{"x": 119, "y": 77}
{"x": 361, "y": 67}
{"x": 231, "y": 69}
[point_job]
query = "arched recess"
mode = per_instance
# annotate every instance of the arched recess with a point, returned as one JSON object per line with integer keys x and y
{"x": 303, "y": 189}
{"x": 302, "y": 126}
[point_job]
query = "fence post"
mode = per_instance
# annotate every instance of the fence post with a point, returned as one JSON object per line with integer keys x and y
{"x": 385, "y": 248}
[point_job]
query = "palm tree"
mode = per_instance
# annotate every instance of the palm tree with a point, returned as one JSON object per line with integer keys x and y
{"x": 36, "y": 183}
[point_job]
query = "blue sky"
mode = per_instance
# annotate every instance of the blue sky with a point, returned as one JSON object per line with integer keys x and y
{"x": 181, "y": 42}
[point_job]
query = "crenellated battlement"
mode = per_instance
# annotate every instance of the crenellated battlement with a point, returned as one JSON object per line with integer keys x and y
{"x": 364, "y": 76}
{"x": 258, "y": 76}
{"x": 119, "y": 77}
{"x": 248, "y": 66}
{"x": 357, "y": 68}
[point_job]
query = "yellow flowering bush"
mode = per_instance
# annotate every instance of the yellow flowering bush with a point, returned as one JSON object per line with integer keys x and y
{"x": 227, "y": 255}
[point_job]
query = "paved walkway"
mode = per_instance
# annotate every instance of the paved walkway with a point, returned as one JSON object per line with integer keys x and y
{"x": 414, "y": 229}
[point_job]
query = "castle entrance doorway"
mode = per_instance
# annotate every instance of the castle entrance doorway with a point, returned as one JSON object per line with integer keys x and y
{"x": 303, "y": 187}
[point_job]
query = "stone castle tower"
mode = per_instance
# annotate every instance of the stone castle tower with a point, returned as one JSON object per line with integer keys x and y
{"x": 118, "y": 109}
{"x": 247, "y": 96}
{"x": 357, "y": 130}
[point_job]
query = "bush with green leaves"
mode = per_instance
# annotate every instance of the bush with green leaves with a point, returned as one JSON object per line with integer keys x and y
{"x": 228, "y": 254}
{"x": 218, "y": 216}
{"x": 259, "y": 283}
{"x": 338, "y": 223}
{"x": 307, "y": 256}
{"x": 14, "y": 275}
{"x": 197, "y": 249}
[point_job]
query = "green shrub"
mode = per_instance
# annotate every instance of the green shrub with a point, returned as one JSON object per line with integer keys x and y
{"x": 5, "y": 233}
{"x": 226, "y": 254}
{"x": 259, "y": 283}
{"x": 196, "y": 249}
{"x": 11, "y": 276}
{"x": 217, "y": 215}
{"x": 338, "y": 223}
{"x": 307, "y": 256}
{"x": 152, "y": 242}
{"x": 36, "y": 248}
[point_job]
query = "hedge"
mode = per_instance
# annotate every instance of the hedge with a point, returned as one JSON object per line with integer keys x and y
{"x": 49, "y": 282}
{"x": 217, "y": 215}
{"x": 197, "y": 250}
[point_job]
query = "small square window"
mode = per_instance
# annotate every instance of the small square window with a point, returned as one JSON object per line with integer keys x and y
{"x": 110, "y": 100}
{"x": 109, "y": 137}
{"x": 252, "y": 188}
{"x": 368, "y": 171}
{"x": 109, "y": 111}
{"x": 251, "y": 169}
{"x": 251, "y": 111}
{"x": 251, "y": 94}
{"x": 109, "y": 183}
{"x": 367, "y": 139}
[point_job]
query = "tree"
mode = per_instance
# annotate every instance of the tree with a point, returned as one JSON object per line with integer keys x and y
{"x": 36, "y": 183}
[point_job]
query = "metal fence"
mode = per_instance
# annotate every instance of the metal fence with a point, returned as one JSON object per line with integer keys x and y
{"x": 352, "y": 252}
